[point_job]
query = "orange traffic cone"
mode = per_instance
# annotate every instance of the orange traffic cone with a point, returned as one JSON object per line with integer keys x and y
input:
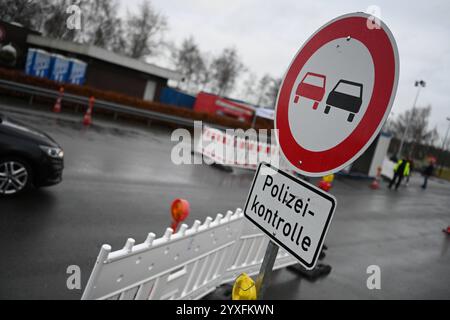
{"x": 376, "y": 181}
{"x": 57, "y": 106}
{"x": 326, "y": 183}
{"x": 87, "y": 119}
{"x": 375, "y": 184}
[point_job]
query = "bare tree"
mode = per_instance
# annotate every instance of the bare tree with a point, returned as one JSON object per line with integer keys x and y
{"x": 144, "y": 31}
{"x": 418, "y": 132}
{"x": 205, "y": 74}
{"x": 138, "y": 36}
{"x": 54, "y": 20}
{"x": 118, "y": 41}
{"x": 272, "y": 92}
{"x": 225, "y": 69}
{"x": 249, "y": 87}
{"x": 25, "y": 12}
{"x": 267, "y": 91}
{"x": 390, "y": 127}
{"x": 190, "y": 63}
{"x": 102, "y": 25}
{"x": 47, "y": 16}
{"x": 263, "y": 85}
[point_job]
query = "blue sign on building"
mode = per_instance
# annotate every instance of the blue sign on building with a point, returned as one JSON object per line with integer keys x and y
{"x": 38, "y": 63}
{"x": 59, "y": 67}
{"x": 55, "y": 67}
{"x": 77, "y": 71}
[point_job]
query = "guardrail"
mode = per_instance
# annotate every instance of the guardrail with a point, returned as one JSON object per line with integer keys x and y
{"x": 101, "y": 104}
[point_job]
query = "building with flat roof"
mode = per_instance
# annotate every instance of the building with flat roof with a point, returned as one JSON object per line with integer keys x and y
{"x": 106, "y": 70}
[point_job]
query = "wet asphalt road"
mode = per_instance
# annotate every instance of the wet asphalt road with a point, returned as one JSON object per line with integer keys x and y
{"x": 119, "y": 183}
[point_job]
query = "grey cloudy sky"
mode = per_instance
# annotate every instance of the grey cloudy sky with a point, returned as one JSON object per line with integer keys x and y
{"x": 268, "y": 33}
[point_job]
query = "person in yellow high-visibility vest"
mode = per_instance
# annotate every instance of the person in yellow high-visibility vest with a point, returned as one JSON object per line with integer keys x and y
{"x": 401, "y": 170}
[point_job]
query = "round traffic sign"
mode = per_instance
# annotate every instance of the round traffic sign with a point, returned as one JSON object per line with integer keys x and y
{"x": 336, "y": 94}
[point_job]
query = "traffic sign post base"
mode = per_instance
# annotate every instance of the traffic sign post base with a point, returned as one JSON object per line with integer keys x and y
{"x": 263, "y": 279}
{"x": 321, "y": 270}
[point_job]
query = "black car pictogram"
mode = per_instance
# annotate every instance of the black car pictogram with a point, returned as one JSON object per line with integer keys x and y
{"x": 346, "y": 95}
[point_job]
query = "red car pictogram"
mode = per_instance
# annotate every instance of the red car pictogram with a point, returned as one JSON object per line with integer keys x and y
{"x": 311, "y": 91}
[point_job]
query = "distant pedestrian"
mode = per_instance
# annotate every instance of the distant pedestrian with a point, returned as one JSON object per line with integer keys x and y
{"x": 411, "y": 168}
{"x": 427, "y": 172}
{"x": 401, "y": 170}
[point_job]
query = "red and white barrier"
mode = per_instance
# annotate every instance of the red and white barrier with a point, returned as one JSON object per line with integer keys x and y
{"x": 237, "y": 151}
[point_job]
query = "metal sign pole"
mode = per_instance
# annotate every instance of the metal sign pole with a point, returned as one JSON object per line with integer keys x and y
{"x": 263, "y": 279}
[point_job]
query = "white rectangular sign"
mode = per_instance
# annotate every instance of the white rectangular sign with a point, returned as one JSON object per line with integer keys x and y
{"x": 293, "y": 213}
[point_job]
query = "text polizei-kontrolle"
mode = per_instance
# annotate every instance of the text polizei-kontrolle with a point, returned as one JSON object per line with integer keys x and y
{"x": 293, "y": 203}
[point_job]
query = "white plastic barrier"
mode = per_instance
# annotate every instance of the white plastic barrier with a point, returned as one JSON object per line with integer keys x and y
{"x": 387, "y": 170}
{"x": 186, "y": 265}
{"x": 250, "y": 250}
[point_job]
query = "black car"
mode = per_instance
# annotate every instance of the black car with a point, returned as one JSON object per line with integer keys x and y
{"x": 28, "y": 157}
{"x": 346, "y": 95}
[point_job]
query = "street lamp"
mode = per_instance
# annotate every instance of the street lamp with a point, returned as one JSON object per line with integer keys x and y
{"x": 419, "y": 84}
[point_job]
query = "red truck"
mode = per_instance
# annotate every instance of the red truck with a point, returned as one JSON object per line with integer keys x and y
{"x": 211, "y": 103}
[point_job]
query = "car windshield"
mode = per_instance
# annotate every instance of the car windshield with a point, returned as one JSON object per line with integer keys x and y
{"x": 348, "y": 89}
{"x": 314, "y": 80}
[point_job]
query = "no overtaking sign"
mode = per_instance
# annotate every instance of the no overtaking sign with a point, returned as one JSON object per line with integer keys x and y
{"x": 336, "y": 94}
{"x": 332, "y": 103}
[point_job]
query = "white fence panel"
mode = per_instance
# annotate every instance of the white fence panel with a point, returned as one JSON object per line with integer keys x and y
{"x": 250, "y": 250}
{"x": 387, "y": 169}
{"x": 186, "y": 265}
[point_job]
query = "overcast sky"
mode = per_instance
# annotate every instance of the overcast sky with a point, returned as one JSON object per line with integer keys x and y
{"x": 267, "y": 34}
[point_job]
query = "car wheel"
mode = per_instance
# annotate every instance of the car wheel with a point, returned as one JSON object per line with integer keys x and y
{"x": 350, "y": 117}
{"x": 327, "y": 109}
{"x": 15, "y": 176}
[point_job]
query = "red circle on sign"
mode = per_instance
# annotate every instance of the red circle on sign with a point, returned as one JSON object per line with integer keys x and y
{"x": 385, "y": 59}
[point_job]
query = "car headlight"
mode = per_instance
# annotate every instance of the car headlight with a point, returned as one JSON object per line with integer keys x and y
{"x": 52, "y": 152}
